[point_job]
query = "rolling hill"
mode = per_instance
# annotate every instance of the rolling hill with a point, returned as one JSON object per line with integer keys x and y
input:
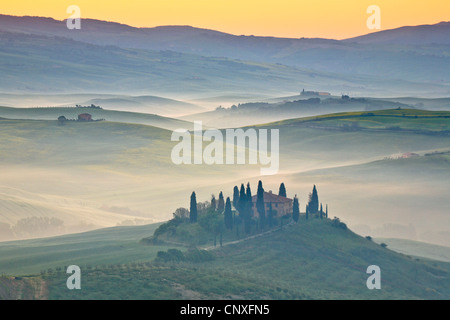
{"x": 254, "y": 113}
{"x": 48, "y": 65}
{"x": 52, "y": 113}
{"x": 143, "y": 104}
{"x": 390, "y": 119}
{"x": 412, "y": 54}
{"x": 315, "y": 259}
{"x": 409, "y": 35}
{"x": 417, "y": 249}
{"x": 103, "y": 246}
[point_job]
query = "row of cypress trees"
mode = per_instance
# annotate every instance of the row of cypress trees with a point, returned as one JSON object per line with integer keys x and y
{"x": 242, "y": 201}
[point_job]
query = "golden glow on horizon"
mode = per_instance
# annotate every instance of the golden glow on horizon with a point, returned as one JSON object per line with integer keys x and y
{"x": 281, "y": 18}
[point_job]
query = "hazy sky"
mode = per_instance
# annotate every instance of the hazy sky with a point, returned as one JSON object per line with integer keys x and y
{"x": 283, "y": 18}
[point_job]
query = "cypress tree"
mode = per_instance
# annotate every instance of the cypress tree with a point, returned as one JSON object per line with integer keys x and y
{"x": 193, "y": 209}
{"x": 213, "y": 202}
{"x": 295, "y": 209}
{"x": 249, "y": 200}
{"x": 307, "y": 212}
{"x": 248, "y": 209}
{"x": 242, "y": 204}
{"x": 221, "y": 203}
{"x": 326, "y": 212}
{"x": 236, "y": 197}
{"x": 282, "y": 191}
{"x": 313, "y": 204}
{"x": 260, "y": 205}
{"x": 228, "y": 217}
{"x": 321, "y": 211}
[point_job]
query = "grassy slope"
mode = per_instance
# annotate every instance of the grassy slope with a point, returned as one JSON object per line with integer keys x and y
{"x": 334, "y": 140}
{"x": 109, "y": 115}
{"x": 115, "y": 138}
{"x": 291, "y": 107}
{"x": 312, "y": 260}
{"x": 325, "y": 260}
{"x": 47, "y": 142}
{"x": 117, "y": 245}
{"x": 408, "y": 119}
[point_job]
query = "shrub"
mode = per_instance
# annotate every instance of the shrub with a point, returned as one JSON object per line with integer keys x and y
{"x": 169, "y": 225}
{"x": 170, "y": 255}
{"x": 336, "y": 222}
{"x": 196, "y": 255}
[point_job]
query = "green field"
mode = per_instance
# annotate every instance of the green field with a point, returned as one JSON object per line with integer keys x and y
{"x": 394, "y": 119}
{"x": 314, "y": 259}
{"x": 119, "y": 245}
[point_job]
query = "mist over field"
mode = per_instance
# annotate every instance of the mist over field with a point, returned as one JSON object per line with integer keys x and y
{"x": 101, "y": 174}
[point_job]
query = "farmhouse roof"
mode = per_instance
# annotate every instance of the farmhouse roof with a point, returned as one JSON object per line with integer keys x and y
{"x": 271, "y": 197}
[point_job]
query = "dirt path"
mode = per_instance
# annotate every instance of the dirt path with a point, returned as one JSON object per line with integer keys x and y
{"x": 249, "y": 238}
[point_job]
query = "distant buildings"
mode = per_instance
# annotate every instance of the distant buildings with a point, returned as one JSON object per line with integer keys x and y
{"x": 81, "y": 117}
{"x": 408, "y": 155}
{"x": 313, "y": 93}
{"x": 84, "y": 117}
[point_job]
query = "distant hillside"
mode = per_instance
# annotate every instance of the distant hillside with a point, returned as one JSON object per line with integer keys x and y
{"x": 142, "y": 104}
{"x": 145, "y": 104}
{"x": 410, "y": 53}
{"x": 253, "y": 113}
{"x": 421, "y": 121}
{"x": 410, "y": 35}
{"x": 417, "y": 249}
{"x": 426, "y": 104}
{"x": 53, "y": 113}
{"x": 49, "y": 65}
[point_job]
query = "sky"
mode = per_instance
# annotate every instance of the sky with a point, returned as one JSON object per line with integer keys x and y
{"x": 337, "y": 19}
